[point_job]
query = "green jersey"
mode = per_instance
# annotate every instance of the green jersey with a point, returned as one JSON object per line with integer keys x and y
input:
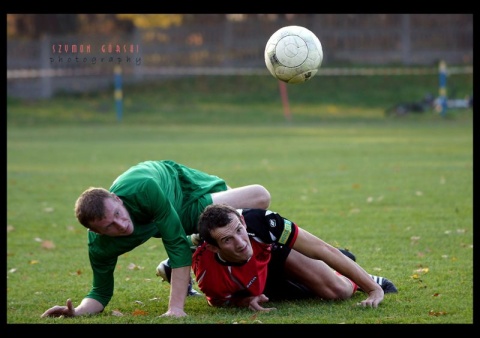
{"x": 164, "y": 200}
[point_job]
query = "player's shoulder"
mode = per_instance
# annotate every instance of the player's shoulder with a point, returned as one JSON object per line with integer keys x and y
{"x": 257, "y": 213}
{"x": 258, "y": 220}
{"x": 252, "y": 215}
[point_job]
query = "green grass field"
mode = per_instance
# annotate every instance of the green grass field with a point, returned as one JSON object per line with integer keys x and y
{"x": 396, "y": 191}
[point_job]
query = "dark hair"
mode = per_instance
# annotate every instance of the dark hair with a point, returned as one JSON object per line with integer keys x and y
{"x": 90, "y": 205}
{"x": 215, "y": 216}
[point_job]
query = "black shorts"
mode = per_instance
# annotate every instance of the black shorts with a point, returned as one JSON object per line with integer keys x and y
{"x": 278, "y": 286}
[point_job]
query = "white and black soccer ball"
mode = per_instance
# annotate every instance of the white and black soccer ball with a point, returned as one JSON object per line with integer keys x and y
{"x": 293, "y": 54}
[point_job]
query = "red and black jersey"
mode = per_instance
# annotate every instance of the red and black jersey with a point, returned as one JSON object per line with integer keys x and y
{"x": 222, "y": 281}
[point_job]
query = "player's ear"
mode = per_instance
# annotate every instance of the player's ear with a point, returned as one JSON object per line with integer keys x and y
{"x": 211, "y": 247}
{"x": 242, "y": 220}
{"x": 116, "y": 198}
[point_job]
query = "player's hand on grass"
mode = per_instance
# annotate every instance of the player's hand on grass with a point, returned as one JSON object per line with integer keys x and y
{"x": 256, "y": 301}
{"x": 375, "y": 297}
{"x": 174, "y": 312}
{"x": 60, "y": 311}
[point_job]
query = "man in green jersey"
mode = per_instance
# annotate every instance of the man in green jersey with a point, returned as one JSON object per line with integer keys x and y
{"x": 161, "y": 199}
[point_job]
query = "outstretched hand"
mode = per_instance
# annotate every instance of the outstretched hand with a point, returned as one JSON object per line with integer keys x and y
{"x": 375, "y": 297}
{"x": 255, "y": 303}
{"x": 174, "y": 312}
{"x": 59, "y": 311}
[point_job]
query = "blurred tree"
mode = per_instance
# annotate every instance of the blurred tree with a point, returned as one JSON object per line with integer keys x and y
{"x": 103, "y": 24}
{"x": 153, "y": 20}
{"x": 36, "y": 25}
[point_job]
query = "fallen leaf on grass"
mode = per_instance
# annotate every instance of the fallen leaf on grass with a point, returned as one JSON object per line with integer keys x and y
{"x": 422, "y": 270}
{"x": 469, "y": 246}
{"x": 414, "y": 239}
{"x": 133, "y": 266}
{"x": 117, "y": 313}
{"x": 48, "y": 245}
{"x": 436, "y": 313}
{"x": 138, "y": 312}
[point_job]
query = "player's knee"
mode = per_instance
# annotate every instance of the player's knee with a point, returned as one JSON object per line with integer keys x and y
{"x": 335, "y": 292}
{"x": 344, "y": 293}
{"x": 263, "y": 197}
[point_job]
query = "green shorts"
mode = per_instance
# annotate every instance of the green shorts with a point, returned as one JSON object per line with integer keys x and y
{"x": 197, "y": 187}
{"x": 191, "y": 213}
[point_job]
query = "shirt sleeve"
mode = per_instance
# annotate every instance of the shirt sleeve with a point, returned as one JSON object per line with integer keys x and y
{"x": 153, "y": 214}
{"x": 270, "y": 227}
{"x": 102, "y": 268}
{"x": 168, "y": 222}
{"x": 153, "y": 198}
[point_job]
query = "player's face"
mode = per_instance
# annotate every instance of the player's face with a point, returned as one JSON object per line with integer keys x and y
{"x": 233, "y": 241}
{"x": 117, "y": 221}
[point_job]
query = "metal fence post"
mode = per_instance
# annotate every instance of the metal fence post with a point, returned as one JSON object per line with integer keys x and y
{"x": 442, "y": 90}
{"x": 118, "y": 94}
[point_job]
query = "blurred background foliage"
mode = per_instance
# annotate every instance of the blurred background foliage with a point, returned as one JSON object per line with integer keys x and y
{"x": 34, "y": 26}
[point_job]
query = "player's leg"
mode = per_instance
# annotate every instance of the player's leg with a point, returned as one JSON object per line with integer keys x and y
{"x": 318, "y": 277}
{"x": 249, "y": 196}
{"x": 165, "y": 272}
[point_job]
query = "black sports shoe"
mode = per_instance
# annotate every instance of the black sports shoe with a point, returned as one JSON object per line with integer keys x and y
{"x": 386, "y": 284}
{"x": 348, "y": 254}
{"x": 165, "y": 271}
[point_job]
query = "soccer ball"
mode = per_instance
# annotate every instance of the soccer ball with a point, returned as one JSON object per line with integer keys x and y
{"x": 293, "y": 54}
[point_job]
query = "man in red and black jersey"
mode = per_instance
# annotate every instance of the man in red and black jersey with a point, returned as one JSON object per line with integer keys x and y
{"x": 251, "y": 256}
